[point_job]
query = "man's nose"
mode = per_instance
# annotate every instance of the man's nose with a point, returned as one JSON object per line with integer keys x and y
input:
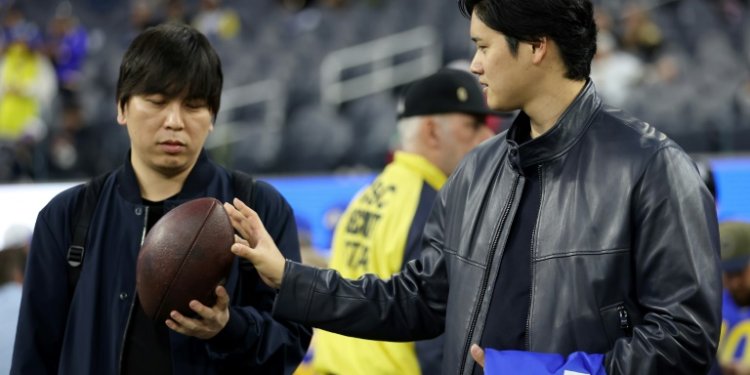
{"x": 476, "y": 66}
{"x": 174, "y": 116}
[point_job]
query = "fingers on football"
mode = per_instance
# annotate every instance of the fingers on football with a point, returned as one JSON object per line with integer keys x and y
{"x": 179, "y": 322}
{"x": 238, "y": 220}
{"x": 246, "y": 221}
{"x": 240, "y": 240}
{"x": 222, "y": 298}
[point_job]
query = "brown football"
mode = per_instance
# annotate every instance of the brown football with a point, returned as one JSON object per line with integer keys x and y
{"x": 184, "y": 257}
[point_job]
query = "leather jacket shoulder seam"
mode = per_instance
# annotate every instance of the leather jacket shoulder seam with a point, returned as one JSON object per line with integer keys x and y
{"x": 651, "y": 159}
{"x": 568, "y": 254}
{"x": 469, "y": 261}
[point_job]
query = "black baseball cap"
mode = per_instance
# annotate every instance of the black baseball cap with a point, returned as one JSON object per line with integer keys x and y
{"x": 447, "y": 91}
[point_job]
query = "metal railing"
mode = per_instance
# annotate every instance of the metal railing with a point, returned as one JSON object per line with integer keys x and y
{"x": 381, "y": 57}
{"x": 270, "y": 96}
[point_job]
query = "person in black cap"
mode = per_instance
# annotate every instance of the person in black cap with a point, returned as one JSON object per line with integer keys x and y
{"x": 735, "y": 263}
{"x": 441, "y": 118}
{"x": 581, "y": 235}
{"x": 735, "y": 260}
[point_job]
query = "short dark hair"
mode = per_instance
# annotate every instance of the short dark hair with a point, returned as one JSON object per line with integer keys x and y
{"x": 171, "y": 59}
{"x": 570, "y": 23}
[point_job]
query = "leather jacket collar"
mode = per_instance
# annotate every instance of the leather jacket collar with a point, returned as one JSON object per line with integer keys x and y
{"x": 568, "y": 129}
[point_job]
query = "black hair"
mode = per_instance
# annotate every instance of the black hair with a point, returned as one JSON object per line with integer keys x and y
{"x": 570, "y": 23}
{"x": 171, "y": 59}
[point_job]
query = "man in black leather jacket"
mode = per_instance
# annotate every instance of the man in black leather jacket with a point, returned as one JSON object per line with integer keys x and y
{"x": 581, "y": 229}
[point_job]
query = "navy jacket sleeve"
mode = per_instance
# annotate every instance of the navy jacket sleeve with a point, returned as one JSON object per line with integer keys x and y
{"x": 253, "y": 339}
{"x": 44, "y": 305}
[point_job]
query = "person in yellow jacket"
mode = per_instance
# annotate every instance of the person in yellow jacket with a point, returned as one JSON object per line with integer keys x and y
{"x": 27, "y": 86}
{"x": 442, "y": 118}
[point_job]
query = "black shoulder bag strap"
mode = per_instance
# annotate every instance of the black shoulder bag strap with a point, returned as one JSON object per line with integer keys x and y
{"x": 88, "y": 197}
{"x": 244, "y": 189}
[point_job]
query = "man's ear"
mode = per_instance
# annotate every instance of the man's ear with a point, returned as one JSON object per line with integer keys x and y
{"x": 121, "y": 115}
{"x": 429, "y": 131}
{"x": 539, "y": 49}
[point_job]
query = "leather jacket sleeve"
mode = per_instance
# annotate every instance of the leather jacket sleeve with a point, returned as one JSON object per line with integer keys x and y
{"x": 409, "y": 306}
{"x": 677, "y": 275}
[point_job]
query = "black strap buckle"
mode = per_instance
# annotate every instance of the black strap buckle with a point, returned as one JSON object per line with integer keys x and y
{"x": 75, "y": 255}
{"x": 624, "y": 318}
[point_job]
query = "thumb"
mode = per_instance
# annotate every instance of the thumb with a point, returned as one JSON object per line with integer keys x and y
{"x": 478, "y": 354}
{"x": 241, "y": 240}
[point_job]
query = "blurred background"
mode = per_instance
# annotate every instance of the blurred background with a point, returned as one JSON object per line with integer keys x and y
{"x": 311, "y": 88}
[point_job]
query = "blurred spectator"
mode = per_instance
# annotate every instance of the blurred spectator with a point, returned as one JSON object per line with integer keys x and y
{"x": 735, "y": 257}
{"x": 294, "y": 5}
{"x": 142, "y": 16}
{"x": 71, "y": 147}
{"x": 12, "y": 265}
{"x": 665, "y": 97}
{"x": 16, "y": 235}
{"x": 217, "y": 22}
{"x": 27, "y": 89}
{"x": 16, "y": 27}
{"x": 734, "y": 13}
{"x": 66, "y": 47}
{"x": 614, "y": 72}
{"x": 27, "y": 80}
{"x": 641, "y": 35}
{"x": 335, "y": 3}
{"x": 634, "y": 37}
{"x": 319, "y": 139}
{"x": 175, "y": 12}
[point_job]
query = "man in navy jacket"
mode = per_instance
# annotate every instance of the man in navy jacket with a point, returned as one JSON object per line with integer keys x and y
{"x": 168, "y": 96}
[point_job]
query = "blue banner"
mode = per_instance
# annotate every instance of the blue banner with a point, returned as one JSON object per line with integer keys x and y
{"x": 529, "y": 363}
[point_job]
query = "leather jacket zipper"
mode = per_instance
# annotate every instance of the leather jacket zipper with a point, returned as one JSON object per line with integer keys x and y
{"x": 132, "y": 301}
{"x": 531, "y": 258}
{"x": 486, "y": 276}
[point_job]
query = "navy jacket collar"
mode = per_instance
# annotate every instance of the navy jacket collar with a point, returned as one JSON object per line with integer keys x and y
{"x": 195, "y": 184}
{"x": 568, "y": 129}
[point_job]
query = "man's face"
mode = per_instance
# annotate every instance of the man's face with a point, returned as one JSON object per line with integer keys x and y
{"x": 460, "y": 133}
{"x": 506, "y": 78}
{"x": 738, "y": 285}
{"x": 165, "y": 135}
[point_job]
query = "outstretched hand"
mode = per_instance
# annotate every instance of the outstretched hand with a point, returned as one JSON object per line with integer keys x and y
{"x": 255, "y": 244}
